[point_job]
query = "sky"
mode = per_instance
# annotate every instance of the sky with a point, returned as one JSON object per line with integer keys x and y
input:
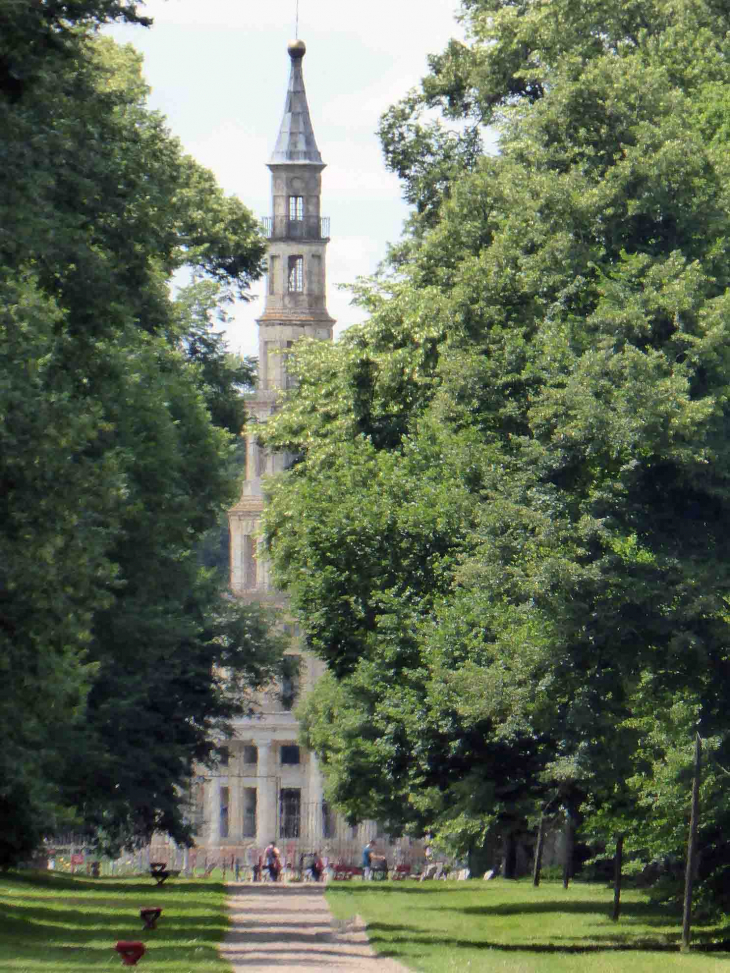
{"x": 219, "y": 70}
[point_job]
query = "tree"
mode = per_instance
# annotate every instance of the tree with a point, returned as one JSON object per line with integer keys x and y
{"x": 553, "y": 345}
{"x": 120, "y": 415}
{"x": 36, "y": 35}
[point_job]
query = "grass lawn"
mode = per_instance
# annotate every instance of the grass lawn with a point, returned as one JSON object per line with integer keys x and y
{"x": 511, "y": 927}
{"x": 51, "y": 923}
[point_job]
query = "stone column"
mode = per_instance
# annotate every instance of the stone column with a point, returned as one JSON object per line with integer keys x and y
{"x": 315, "y": 798}
{"x": 213, "y": 812}
{"x": 267, "y": 796}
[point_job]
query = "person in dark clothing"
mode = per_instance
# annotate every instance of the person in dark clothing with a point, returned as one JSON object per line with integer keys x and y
{"x": 272, "y": 861}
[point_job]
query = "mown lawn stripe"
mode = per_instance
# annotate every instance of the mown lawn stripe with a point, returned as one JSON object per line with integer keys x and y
{"x": 57, "y": 923}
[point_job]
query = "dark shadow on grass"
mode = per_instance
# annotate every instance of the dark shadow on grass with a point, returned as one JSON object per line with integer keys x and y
{"x": 636, "y": 911}
{"x": 397, "y": 888}
{"x": 381, "y": 933}
{"x": 46, "y": 882}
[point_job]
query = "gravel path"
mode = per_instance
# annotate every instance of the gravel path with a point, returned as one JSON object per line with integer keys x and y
{"x": 290, "y": 927}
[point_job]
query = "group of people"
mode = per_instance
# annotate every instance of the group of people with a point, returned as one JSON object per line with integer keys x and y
{"x": 272, "y": 864}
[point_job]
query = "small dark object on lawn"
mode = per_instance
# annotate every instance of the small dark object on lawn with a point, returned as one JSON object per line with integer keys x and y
{"x": 160, "y": 872}
{"x": 150, "y": 916}
{"x": 131, "y": 952}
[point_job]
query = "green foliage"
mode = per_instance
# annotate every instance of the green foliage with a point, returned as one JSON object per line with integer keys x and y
{"x": 549, "y": 360}
{"x": 119, "y": 412}
{"x": 223, "y": 377}
{"x": 37, "y": 37}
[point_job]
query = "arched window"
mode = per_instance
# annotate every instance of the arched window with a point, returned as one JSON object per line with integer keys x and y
{"x": 296, "y": 274}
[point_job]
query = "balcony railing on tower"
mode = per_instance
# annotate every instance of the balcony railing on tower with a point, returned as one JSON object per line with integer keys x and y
{"x": 308, "y": 228}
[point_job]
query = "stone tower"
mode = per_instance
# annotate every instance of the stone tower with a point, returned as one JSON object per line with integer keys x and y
{"x": 295, "y": 308}
{"x": 271, "y": 787}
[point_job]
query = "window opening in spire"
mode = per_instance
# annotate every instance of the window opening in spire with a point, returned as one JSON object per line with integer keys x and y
{"x": 273, "y": 259}
{"x": 296, "y": 208}
{"x": 296, "y": 274}
{"x": 249, "y": 562}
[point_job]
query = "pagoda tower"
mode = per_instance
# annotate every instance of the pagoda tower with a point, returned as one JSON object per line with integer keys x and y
{"x": 295, "y": 308}
{"x": 271, "y": 787}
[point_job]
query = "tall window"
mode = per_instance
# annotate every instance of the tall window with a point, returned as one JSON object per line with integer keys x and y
{"x": 224, "y": 812}
{"x": 290, "y": 811}
{"x": 296, "y": 207}
{"x": 250, "y": 754}
{"x": 296, "y": 274}
{"x": 249, "y": 561}
{"x": 289, "y": 380}
{"x": 273, "y": 264}
{"x": 249, "y": 812}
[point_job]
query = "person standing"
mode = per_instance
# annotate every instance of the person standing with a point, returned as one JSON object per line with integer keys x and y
{"x": 317, "y": 867}
{"x": 367, "y": 860}
{"x": 272, "y": 861}
{"x": 430, "y": 868}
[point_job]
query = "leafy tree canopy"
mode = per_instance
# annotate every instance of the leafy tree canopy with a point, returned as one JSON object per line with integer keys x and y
{"x": 548, "y": 357}
{"x": 120, "y": 410}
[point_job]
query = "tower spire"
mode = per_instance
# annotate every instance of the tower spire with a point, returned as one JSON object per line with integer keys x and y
{"x": 295, "y": 308}
{"x": 296, "y": 142}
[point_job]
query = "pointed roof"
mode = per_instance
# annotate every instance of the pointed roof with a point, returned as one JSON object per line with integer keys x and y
{"x": 296, "y": 141}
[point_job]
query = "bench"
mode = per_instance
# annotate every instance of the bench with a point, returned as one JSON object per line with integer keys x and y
{"x": 343, "y": 872}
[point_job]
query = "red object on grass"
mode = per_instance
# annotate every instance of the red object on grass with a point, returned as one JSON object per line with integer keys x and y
{"x": 131, "y": 952}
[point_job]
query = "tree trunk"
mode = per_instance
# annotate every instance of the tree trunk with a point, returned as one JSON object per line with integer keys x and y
{"x": 569, "y": 846}
{"x": 509, "y": 857}
{"x": 538, "y": 852}
{"x": 617, "y": 868}
{"x": 691, "y": 846}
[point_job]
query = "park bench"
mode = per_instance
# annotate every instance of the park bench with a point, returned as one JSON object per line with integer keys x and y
{"x": 343, "y": 872}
